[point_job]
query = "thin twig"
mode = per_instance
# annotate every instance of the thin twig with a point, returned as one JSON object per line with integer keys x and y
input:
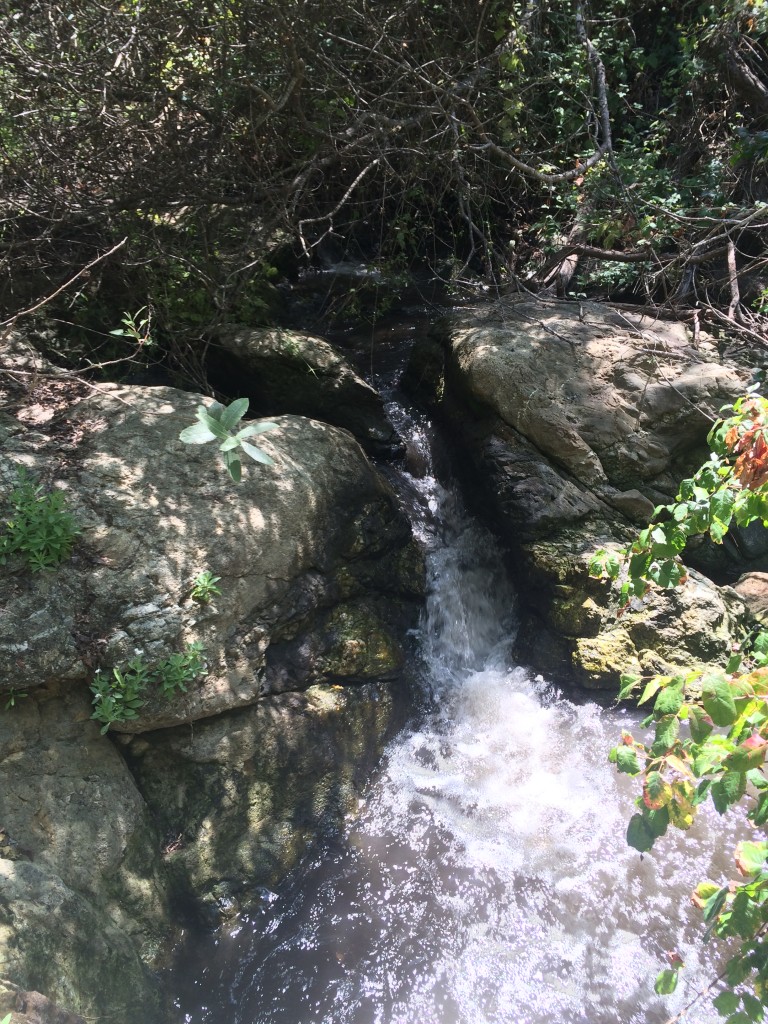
{"x": 84, "y": 270}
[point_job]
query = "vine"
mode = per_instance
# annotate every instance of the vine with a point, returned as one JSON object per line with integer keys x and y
{"x": 710, "y": 726}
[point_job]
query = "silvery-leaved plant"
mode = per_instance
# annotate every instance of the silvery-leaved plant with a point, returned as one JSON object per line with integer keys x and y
{"x": 218, "y": 422}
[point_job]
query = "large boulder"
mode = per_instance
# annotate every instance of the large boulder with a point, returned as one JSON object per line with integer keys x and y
{"x": 301, "y": 653}
{"x": 291, "y": 372}
{"x": 575, "y": 421}
{"x": 239, "y": 797}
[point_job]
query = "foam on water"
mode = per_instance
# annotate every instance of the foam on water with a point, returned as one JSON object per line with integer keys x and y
{"x": 487, "y": 880}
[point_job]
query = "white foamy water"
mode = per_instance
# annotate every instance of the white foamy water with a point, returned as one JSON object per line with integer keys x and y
{"x": 487, "y": 879}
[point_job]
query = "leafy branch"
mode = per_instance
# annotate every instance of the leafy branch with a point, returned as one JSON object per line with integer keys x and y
{"x": 710, "y": 727}
{"x": 729, "y": 488}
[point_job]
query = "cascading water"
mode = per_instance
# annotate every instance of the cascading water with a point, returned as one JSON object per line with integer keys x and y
{"x": 487, "y": 879}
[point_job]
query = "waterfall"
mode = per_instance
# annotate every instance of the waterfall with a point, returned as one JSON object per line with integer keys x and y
{"x": 486, "y": 879}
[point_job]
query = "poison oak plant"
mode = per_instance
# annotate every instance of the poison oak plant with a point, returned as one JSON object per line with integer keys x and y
{"x": 217, "y": 422}
{"x": 710, "y": 726}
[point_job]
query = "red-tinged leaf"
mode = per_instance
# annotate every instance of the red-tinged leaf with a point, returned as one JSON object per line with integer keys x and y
{"x": 703, "y": 892}
{"x": 750, "y": 857}
{"x": 656, "y": 792}
{"x": 747, "y": 755}
{"x": 701, "y": 724}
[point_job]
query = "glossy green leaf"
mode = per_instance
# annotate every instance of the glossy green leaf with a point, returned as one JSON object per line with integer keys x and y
{"x": 639, "y": 564}
{"x": 759, "y": 814}
{"x": 737, "y": 969}
{"x": 626, "y": 760}
{"x": 669, "y": 574}
{"x": 717, "y": 698}
{"x": 746, "y": 916}
{"x": 727, "y": 790}
{"x": 639, "y": 834}
{"x": 669, "y": 700}
{"x": 651, "y": 687}
{"x": 718, "y": 531}
{"x": 666, "y": 982}
{"x": 667, "y": 730}
{"x": 627, "y": 685}
{"x": 715, "y": 904}
{"x": 721, "y": 504}
{"x": 726, "y": 1003}
{"x": 753, "y": 1007}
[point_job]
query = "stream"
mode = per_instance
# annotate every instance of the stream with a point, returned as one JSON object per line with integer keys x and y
{"x": 486, "y": 879}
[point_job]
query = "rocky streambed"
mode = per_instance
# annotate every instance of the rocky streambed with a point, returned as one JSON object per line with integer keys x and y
{"x": 570, "y": 424}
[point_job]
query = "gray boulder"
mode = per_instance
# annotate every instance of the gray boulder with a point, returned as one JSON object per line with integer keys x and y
{"x": 319, "y": 579}
{"x": 576, "y": 420}
{"x": 291, "y": 372}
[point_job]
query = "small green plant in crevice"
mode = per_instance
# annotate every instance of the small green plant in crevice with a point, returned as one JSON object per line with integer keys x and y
{"x": 178, "y": 670}
{"x": 217, "y": 422}
{"x": 204, "y": 587}
{"x": 119, "y": 697}
{"x": 12, "y": 698}
{"x": 40, "y": 527}
{"x": 6, "y": 1019}
{"x": 137, "y": 327}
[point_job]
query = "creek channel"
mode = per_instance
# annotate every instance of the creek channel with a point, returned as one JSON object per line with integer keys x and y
{"x": 486, "y": 878}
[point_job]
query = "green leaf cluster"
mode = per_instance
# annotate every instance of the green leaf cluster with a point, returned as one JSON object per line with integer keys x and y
{"x": 709, "y": 741}
{"x": 40, "y": 526}
{"x": 706, "y": 504}
{"x": 119, "y": 697}
{"x": 217, "y": 423}
{"x": 204, "y": 587}
{"x": 709, "y": 737}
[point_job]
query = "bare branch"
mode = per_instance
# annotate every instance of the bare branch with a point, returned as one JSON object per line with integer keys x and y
{"x": 84, "y": 270}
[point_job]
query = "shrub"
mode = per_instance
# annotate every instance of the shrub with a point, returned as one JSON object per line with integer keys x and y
{"x": 710, "y": 726}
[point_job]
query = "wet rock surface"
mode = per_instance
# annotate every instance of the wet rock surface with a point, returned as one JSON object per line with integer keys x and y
{"x": 319, "y": 580}
{"x": 575, "y": 421}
